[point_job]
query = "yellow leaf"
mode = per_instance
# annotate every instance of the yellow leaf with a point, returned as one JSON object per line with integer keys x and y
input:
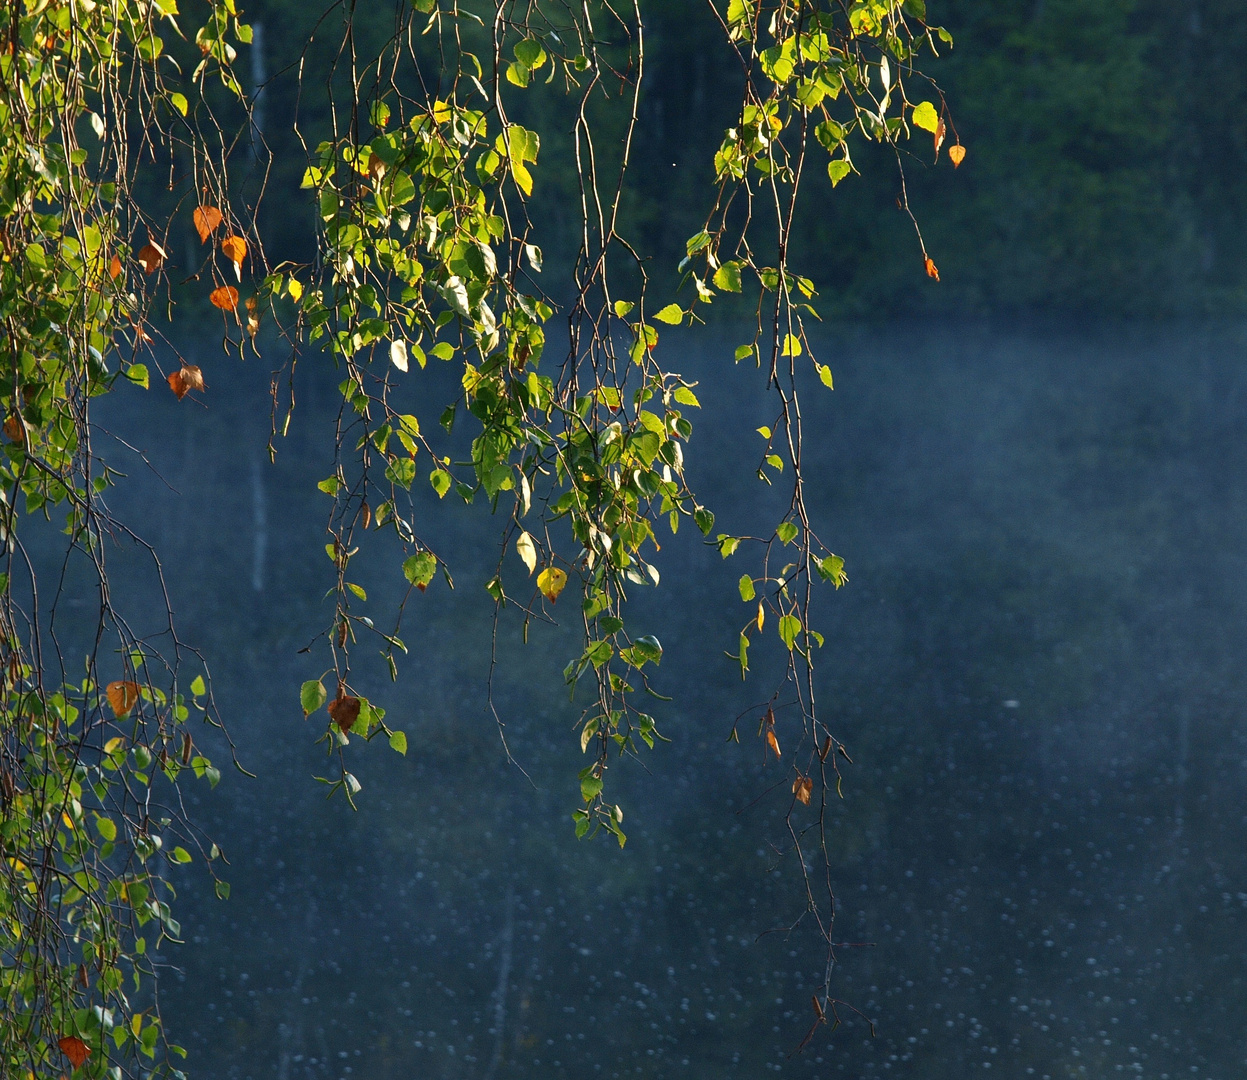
{"x": 926, "y": 117}
{"x": 956, "y": 154}
{"x": 551, "y": 582}
{"x": 773, "y": 742}
{"x": 295, "y": 289}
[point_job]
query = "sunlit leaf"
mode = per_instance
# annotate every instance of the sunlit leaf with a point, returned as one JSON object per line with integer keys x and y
{"x": 398, "y": 354}
{"x": 802, "y": 786}
{"x": 121, "y": 695}
{"x": 932, "y": 269}
{"x": 398, "y": 742}
{"x": 224, "y": 297}
{"x": 926, "y": 117}
{"x": 551, "y": 581}
{"x": 672, "y": 314}
{"x": 526, "y": 549}
{"x": 185, "y": 379}
{"x": 772, "y": 741}
{"x": 114, "y": 268}
{"x": 956, "y": 154}
{"x": 234, "y": 248}
{"x": 207, "y": 220}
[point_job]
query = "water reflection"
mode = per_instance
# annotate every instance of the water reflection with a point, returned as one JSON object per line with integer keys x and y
{"x": 1037, "y": 668}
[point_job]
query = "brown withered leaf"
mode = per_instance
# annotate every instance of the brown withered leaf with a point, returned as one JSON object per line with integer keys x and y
{"x": 183, "y": 381}
{"x": 940, "y": 132}
{"x": 141, "y": 335}
{"x": 376, "y": 168}
{"x": 956, "y": 154}
{"x": 114, "y": 268}
{"x": 207, "y": 220}
{"x": 932, "y": 269}
{"x": 801, "y": 788}
{"x": 253, "y": 316}
{"x": 15, "y": 428}
{"x": 344, "y": 711}
{"x": 773, "y": 742}
{"x": 188, "y": 747}
{"x": 822, "y": 754}
{"x": 151, "y": 257}
{"x": 225, "y": 297}
{"x": 74, "y": 1049}
{"x": 121, "y": 695}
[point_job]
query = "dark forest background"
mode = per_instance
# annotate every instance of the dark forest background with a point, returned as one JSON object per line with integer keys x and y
{"x": 1107, "y": 144}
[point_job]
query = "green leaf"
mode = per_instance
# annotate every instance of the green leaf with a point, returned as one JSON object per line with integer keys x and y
{"x": 198, "y": 688}
{"x": 742, "y": 352}
{"x": 704, "y": 519}
{"x": 727, "y": 544}
{"x": 312, "y": 695}
{"x": 329, "y": 485}
{"x": 672, "y": 315}
{"x": 775, "y": 462}
{"x": 824, "y": 374}
{"x": 685, "y": 396}
{"x": 443, "y": 350}
{"x": 727, "y": 277}
{"x": 786, "y": 531}
{"x": 222, "y": 890}
{"x": 789, "y": 628}
{"x": 623, "y": 307}
{"x": 746, "y": 588}
{"x": 838, "y": 170}
{"x": 792, "y": 345}
{"x": 420, "y": 568}
{"x": 440, "y": 479}
{"x": 106, "y": 828}
{"x": 358, "y": 590}
{"x": 137, "y": 374}
{"x": 926, "y": 117}
{"x": 179, "y": 102}
{"x": 398, "y": 742}
{"x": 180, "y": 855}
{"x": 590, "y": 787}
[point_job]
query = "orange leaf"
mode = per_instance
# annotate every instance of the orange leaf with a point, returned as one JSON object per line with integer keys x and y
{"x": 773, "y": 742}
{"x": 801, "y": 788}
{"x": 141, "y": 335}
{"x": 151, "y": 256}
{"x": 207, "y": 219}
{"x": 15, "y": 428}
{"x": 184, "y": 381}
{"x": 74, "y": 1049}
{"x": 344, "y": 711}
{"x": 940, "y": 132}
{"x": 114, "y": 268}
{"x": 235, "y": 249}
{"x": 225, "y": 297}
{"x": 932, "y": 270}
{"x": 253, "y": 321}
{"x": 956, "y": 154}
{"x": 121, "y": 697}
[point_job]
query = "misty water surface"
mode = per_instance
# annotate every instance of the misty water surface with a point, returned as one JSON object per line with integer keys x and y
{"x": 1037, "y": 668}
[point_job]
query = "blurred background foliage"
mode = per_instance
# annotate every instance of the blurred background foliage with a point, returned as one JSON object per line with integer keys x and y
{"x": 1107, "y": 141}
